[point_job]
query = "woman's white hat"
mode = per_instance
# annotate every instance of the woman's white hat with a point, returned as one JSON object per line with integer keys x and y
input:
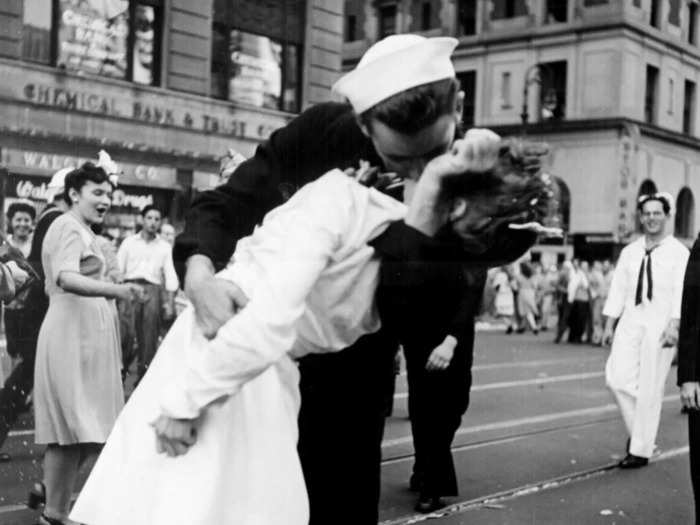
{"x": 395, "y": 64}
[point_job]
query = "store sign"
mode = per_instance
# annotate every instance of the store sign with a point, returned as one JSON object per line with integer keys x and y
{"x": 36, "y": 189}
{"x": 148, "y": 110}
{"x": 137, "y": 174}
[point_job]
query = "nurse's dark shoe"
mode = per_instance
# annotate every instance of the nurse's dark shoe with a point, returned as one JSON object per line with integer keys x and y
{"x": 427, "y": 504}
{"x": 632, "y": 461}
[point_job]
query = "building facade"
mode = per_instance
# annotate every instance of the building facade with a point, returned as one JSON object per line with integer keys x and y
{"x": 611, "y": 85}
{"x": 167, "y": 87}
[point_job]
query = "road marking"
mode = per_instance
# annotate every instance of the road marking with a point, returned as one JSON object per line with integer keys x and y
{"x": 4, "y": 509}
{"x": 524, "y": 490}
{"x": 525, "y": 382}
{"x": 546, "y": 418}
{"x": 518, "y": 364}
{"x": 19, "y": 433}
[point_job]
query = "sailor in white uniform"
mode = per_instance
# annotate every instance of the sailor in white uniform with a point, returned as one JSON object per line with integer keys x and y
{"x": 645, "y": 295}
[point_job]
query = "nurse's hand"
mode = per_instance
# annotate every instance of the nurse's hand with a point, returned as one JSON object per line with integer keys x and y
{"x": 690, "y": 395}
{"x": 441, "y": 356}
{"x": 174, "y": 437}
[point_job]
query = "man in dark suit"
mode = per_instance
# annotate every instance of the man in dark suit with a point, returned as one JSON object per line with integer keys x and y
{"x": 689, "y": 363}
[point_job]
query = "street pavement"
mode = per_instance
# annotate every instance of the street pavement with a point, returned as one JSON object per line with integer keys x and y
{"x": 538, "y": 445}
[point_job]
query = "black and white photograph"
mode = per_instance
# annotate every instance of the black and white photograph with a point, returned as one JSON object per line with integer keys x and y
{"x": 349, "y": 262}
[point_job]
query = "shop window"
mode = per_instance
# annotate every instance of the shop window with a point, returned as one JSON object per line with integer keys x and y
{"x": 508, "y": 9}
{"x": 556, "y": 11}
{"x": 387, "y": 20}
{"x": 688, "y": 106}
{"x": 467, "y": 17}
{"x": 692, "y": 23}
{"x": 553, "y": 90}
{"x": 36, "y": 30}
{"x": 652, "y": 81}
{"x": 255, "y": 69}
{"x": 118, "y": 39}
{"x": 467, "y": 80}
{"x": 671, "y": 97}
{"x": 685, "y": 214}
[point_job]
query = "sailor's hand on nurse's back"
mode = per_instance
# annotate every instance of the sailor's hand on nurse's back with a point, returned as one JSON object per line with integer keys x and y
{"x": 215, "y": 300}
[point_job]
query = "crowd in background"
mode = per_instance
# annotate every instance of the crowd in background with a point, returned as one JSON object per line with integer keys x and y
{"x": 566, "y": 298}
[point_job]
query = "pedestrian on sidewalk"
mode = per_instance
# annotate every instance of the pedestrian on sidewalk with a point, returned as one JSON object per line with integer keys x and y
{"x": 504, "y": 300}
{"x": 645, "y": 296}
{"x": 19, "y": 384}
{"x": 578, "y": 295}
{"x": 527, "y": 299}
{"x": 77, "y": 388}
{"x": 563, "y": 302}
{"x": 146, "y": 259}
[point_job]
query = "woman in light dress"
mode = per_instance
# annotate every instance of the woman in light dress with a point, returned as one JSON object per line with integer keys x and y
{"x": 224, "y": 410}
{"x": 504, "y": 301}
{"x": 77, "y": 382}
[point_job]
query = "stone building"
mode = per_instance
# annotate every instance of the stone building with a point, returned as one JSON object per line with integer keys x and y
{"x": 611, "y": 85}
{"x": 165, "y": 86}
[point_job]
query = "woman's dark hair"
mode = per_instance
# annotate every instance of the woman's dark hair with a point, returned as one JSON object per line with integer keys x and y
{"x": 77, "y": 178}
{"x": 513, "y": 191}
{"x": 20, "y": 207}
{"x": 414, "y": 109}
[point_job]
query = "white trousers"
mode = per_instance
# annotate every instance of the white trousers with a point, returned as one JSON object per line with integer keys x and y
{"x": 636, "y": 374}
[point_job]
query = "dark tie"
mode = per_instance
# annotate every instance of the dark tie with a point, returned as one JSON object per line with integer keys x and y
{"x": 640, "y": 278}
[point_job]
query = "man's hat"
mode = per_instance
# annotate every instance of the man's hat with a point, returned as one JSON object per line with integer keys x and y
{"x": 395, "y": 64}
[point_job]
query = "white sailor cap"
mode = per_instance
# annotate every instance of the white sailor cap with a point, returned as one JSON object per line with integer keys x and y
{"x": 395, "y": 64}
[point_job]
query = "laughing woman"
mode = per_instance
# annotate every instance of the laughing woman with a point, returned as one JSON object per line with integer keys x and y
{"x": 78, "y": 390}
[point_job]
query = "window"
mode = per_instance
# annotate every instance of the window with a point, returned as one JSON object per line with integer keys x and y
{"x": 655, "y": 13}
{"x": 36, "y": 31}
{"x": 688, "y": 106}
{"x": 553, "y": 90}
{"x": 350, "y": 28}
{"x": 467, "y": 17}
{"x": 556, "y": 11}
{"x": 117, "y": 39}
{"x": 387, "y": 20}
{"x": 508, "y": 9}
{"x": 652, "y": 80}
{"x": 467, "y": 80}
{"x": 426, "y": 12}
{"x": 692, "y": 23}
{"x": 562, "y": 205}
{"x": 685, "y": 214}
{"x": 249, "y": 67}
{"x": 671, "y": 98}
{"x": 505, "y": 90}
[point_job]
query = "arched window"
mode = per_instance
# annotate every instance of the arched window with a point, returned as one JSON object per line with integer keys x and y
{"x": 646, "y": 188}
{"x": 685, "y": 214}
{"x": 562, "y": 212}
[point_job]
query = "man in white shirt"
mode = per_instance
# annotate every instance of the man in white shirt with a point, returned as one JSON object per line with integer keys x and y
{"x": 146, "y": 259}
{"x": 645, "y": 295}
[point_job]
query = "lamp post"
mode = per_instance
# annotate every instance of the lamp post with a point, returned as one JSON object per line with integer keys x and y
{"x": 533, "y": 75}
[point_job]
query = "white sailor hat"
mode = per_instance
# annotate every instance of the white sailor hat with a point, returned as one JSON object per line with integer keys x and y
{"x": 395, "y": 64}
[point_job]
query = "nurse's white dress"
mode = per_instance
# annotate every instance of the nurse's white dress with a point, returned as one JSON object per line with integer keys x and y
{"x": 310, "y": 277}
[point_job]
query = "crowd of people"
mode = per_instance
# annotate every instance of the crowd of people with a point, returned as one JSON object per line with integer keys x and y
{"x": 356, "y": 228}
{"x": 567, "y": 298}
